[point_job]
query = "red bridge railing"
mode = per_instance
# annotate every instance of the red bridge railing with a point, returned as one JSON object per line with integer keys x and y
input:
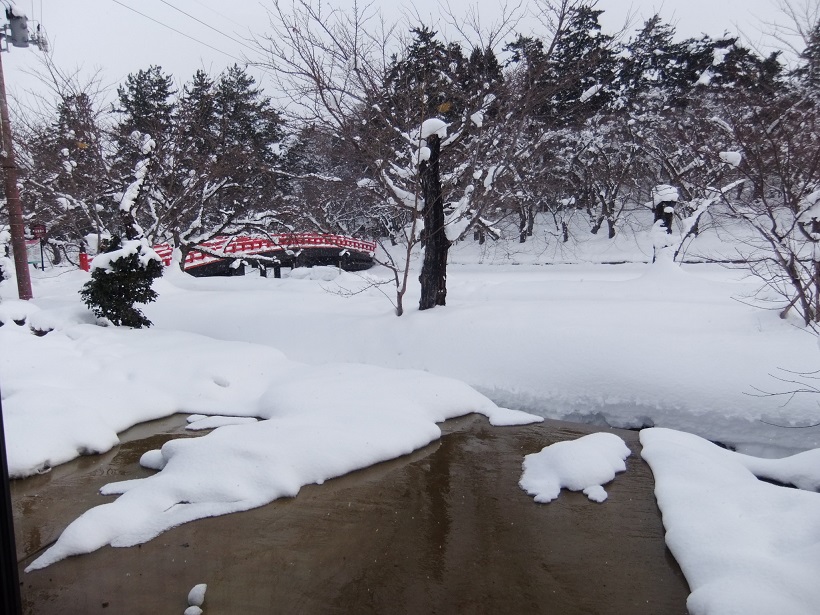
{"x": 227, "y": 247}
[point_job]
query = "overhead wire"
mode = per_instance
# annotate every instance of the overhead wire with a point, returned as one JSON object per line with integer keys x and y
{"x": 164, "y": 25}
{"x": 220, "y": 32}
{"x": 213, "y": 10}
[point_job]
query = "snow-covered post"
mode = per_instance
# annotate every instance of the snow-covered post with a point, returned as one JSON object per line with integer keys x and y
{"x": 809, "y": 221}
{"x": 433, "y": 276}
{"x": 664, "y": 198}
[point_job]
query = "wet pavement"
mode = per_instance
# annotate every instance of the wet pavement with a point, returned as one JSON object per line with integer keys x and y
{"x": 443, "y": 530}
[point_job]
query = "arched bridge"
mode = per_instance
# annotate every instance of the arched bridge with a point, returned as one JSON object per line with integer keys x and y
{"x": 220, "y": 255}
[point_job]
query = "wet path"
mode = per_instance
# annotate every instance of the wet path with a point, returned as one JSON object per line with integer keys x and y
{"x": 444, "y": 530}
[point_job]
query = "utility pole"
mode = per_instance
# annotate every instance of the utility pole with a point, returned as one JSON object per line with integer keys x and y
{"x": 16, "y": 33}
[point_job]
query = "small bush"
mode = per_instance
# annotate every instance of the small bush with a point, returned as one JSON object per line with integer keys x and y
{"x": 121, "y": 277}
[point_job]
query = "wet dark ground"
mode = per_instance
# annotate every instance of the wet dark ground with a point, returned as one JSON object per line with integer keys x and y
{"x": 444, "y": 530}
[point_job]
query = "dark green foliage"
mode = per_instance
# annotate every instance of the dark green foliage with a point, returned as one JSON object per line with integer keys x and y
{"x": 581, "y": 58}
{"x": 809, "y": 70}
{"x": 112, "y": 292}
{"x": 145, "y": 102}
{"x": 426, "y": 80}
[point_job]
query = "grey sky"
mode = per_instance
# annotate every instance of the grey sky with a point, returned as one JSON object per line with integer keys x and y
{"x": 105, "y": 35}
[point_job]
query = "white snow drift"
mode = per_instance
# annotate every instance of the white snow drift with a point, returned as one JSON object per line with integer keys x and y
{"x": 745, "y": 546}
{"x": 585, "y": 464}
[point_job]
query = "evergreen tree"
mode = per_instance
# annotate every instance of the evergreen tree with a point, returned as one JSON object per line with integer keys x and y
{"x": 196, "y": 116}
{"x": 65, "y": 175}
{"x": 125, "y": 279}
{"x": 809, "y": 70}
{"x": 145, "y": 107}
{"x": 580, "y": 68}
{"x": 249, "y": 135}
{"x": 145, "y": 103}
{"x": 651, "y": 64}
{"x": 424, "y": 82}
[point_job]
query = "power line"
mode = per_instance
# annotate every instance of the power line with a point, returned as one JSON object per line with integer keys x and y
{"x": 213, "y": 10}
{"x": 235, "y": 40}
{"x": 178, "y": 31}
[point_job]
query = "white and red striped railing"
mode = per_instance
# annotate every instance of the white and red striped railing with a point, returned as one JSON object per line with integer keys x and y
{"x": 250, "y": 245}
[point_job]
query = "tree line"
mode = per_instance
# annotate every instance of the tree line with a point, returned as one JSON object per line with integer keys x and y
{"x": 420, "y": 141}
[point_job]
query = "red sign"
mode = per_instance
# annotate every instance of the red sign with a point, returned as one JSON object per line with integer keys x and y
{"x": 38, "y": 230}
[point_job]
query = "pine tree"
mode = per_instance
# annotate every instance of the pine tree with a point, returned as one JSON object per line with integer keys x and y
{"x": 65, "y": 172}
{"x": 580, "y": 68}
{"x": 145, "y": 103}
{"x": 424, "y": 81}
{"x": 249, "y": 134}
{"x": 146, "y": 107}
{"x": 809, "y": 70}
{"x": 124, "y": 280}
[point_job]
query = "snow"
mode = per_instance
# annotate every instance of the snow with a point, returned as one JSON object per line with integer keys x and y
{"x": 200, "y": 422}
{"x": 731, "y": 158}
{"x": 318, "y": 423}
{"x": 421, "y": 155}
{"x": 590, "y": 92}
{"x": 477, "y": 118}
{"x": 585, "y": 464}
{"x": 811, "y": 206}
{"x": 705, "y": 77}
{"x": 745, "y": 546}
{"x": 196, "y": 597}
{"x": 664, "y": 193}
{"x": 301, "y": 382}
{"x": 719, "y": 54}
{"x": 134, "y": 246}
{"x": 433, "y": 126}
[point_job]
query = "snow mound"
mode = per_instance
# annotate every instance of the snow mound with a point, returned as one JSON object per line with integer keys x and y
{"x": 196, "y": 597}
{"x": 584, "y": 465}
{"x": 433, "y": 126}
{"x": 745, "y": 546}
{"x": 323, "y": 274}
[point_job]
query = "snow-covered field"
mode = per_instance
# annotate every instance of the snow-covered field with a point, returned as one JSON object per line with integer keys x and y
{"x": 338, "y": 382}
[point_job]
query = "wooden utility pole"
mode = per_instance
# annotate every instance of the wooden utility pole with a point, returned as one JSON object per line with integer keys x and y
{"x": 17, "y": 226}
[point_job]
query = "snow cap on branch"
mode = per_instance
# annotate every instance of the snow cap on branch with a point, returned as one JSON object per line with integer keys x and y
{"x": 433, "y": 126}
{"x": 664, "y": 193}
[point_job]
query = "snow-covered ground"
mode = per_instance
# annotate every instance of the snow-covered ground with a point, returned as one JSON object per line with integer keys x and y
{"x": 338, "y": 382}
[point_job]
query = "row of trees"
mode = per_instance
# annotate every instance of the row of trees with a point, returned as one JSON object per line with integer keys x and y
{"x": 418, "y": 140}
{"x": 180, "y": 166}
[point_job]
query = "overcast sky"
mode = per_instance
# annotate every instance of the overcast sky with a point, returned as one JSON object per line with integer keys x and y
{"x": 107, "y": 36}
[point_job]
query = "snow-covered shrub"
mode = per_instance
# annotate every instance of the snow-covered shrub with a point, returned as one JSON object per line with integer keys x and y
{"x": 121, "y": 277}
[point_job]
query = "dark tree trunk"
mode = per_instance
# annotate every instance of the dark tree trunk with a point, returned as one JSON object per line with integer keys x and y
{"x": 530, "y": 220}
{"x": 433, "y": 276}
{"x": 522, "y": 225}
{"x": 665, "y": 216}
{"x": 597, "y": 226}
{"x": 130, "y": 226}
{"x": 56, "y": 254}
{"x": 526, "y": 222}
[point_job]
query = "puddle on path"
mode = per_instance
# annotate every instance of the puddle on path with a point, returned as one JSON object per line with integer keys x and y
{"x": 45, "y": 504}
{"x": 443, "y": 530}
